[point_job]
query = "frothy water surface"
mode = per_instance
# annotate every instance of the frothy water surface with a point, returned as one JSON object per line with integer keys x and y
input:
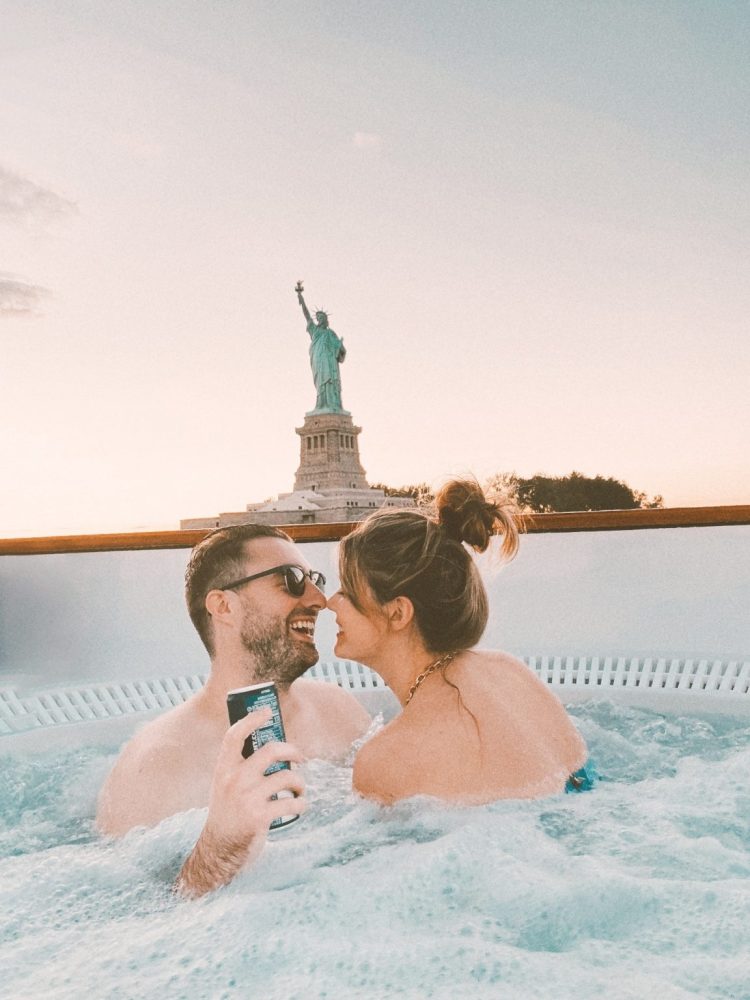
{"x": 640, "y": 889}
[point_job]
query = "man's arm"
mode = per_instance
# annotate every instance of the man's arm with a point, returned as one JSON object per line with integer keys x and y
{"x": 241, "y": 808}
{"x": 149, "y": 782}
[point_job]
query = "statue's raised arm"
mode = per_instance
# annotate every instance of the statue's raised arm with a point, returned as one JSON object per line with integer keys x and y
{"x": 327, "y": 351}
{"x": 299, "y": 289}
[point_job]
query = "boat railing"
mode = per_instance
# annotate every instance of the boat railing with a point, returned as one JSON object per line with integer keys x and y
{"x": 597, "y": 520}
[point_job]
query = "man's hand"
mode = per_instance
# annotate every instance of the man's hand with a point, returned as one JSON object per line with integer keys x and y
{"x": 241, "y": 807}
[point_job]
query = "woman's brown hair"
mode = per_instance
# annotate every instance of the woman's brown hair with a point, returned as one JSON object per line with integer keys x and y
{"x": 420, "y": 554}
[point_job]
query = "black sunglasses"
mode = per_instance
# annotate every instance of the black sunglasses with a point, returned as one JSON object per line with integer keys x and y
{"x": 294, "y": 579}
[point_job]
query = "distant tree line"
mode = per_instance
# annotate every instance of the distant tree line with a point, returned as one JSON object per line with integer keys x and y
{"x": 544, "y": 494}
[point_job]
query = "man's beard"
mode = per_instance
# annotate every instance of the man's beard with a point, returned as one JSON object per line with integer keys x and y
{"x": 278, "y": 656}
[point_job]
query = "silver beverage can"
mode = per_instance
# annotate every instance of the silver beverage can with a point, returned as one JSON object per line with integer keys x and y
{"x": 243, "y": 701}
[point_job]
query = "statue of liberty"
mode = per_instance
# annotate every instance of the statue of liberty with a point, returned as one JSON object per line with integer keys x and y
{"x": 327, "y": 352}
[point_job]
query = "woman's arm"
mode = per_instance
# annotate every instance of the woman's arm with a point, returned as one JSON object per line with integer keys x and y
{"x": 382, "y": 771}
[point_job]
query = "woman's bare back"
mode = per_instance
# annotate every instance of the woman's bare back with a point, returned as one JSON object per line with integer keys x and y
{"x": 497, "y": 733}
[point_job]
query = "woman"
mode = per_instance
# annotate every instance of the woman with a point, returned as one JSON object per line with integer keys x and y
{"x": 476, "y": 725}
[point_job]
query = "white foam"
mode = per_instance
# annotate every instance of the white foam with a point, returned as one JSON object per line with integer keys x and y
{"x": 638, "y": 889}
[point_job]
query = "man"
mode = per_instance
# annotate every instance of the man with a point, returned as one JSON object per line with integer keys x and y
{"x": 254, "y": 601}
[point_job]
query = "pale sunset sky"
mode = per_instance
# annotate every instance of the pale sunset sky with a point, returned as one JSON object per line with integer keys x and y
{"x": 529, "y": 221}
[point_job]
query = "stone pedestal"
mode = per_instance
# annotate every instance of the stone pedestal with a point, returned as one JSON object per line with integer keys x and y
{"x": 329, "y": 454}
{"x": 330, "y": 485}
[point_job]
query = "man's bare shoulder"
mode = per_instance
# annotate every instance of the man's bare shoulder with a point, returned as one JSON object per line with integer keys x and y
{"x": 326, "y": 721}
{"x": 338, "y": 705}
{"x": 149, "y": 779}
{"x": 167, "y": 731}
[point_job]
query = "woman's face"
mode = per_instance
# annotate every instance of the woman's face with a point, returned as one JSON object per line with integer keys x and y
{"x": 360, "y": 633}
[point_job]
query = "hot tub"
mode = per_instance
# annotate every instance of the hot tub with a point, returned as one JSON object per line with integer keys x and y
{"x": 637, "y": 890}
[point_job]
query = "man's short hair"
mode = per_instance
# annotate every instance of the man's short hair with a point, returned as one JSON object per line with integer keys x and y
{"x": 218, "y": 559}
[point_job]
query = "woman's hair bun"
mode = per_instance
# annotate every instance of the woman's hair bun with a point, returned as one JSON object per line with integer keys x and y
{"x": 467, "y": 515}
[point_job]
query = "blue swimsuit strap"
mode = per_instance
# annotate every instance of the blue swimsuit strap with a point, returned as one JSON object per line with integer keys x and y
{"x": 582, "y": 780}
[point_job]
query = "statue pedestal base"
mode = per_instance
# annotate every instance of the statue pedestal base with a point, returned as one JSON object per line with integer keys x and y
{"x": 327, "y": 413}
{"x": 330, "y": 485}
{"x": 329, "y": 453}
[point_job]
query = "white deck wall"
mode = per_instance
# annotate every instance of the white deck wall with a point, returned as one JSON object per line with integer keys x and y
{"x": 673, "y": 592}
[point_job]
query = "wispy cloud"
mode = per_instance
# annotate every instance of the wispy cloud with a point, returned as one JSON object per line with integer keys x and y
{"x": 19, "y": 297}
{"x": 367, "y": 140}
{"x": 25, "y": 202}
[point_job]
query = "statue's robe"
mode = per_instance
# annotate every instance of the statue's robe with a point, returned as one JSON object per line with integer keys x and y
{"x": 327, "y": 351}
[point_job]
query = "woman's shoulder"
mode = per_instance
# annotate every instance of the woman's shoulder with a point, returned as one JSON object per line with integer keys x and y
{"x": 504, "y": 686}
{"x": 495, "y": 661}
{"x": 497, "y": 655}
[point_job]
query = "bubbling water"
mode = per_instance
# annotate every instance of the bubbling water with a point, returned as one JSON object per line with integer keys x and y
{"x": 639, "y": 889}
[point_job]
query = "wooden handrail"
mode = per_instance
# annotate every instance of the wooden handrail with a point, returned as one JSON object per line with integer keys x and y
{"x": 597, "y": 520}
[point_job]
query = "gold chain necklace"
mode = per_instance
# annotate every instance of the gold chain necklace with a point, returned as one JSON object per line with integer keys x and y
{"x": 443, "y": 661}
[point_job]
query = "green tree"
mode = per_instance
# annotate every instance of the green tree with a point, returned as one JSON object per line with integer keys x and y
{"x": 544, "y": 494}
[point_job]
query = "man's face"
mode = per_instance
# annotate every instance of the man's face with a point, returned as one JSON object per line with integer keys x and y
{"x": 278, "y": 628}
